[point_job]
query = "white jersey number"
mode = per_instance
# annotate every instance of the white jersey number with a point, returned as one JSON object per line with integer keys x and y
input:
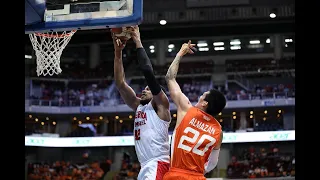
{"x": 193, "y": 140}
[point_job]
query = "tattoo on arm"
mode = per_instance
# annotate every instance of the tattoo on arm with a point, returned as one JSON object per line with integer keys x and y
{"x": 173, "y": 69}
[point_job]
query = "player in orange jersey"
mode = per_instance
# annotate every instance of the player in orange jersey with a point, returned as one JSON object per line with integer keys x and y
{"x": 197, "y": 137}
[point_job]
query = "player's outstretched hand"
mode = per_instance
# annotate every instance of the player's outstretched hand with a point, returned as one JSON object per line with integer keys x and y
{"x": 135, "y": 33}
{"x": 187, "y": 48}
{"x": 117, "y": 43}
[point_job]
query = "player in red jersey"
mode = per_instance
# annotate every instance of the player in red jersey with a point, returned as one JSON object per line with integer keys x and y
{"x": 197, "y": 137}
{"x": 152, "y": 113}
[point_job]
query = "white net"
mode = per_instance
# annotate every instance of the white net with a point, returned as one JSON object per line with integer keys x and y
{"x": 48, "y": 47}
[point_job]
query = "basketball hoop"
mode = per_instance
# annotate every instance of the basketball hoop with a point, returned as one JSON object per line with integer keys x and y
{"x": 48, "y": 47}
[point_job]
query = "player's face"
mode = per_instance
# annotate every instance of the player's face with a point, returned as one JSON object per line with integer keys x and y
{"x": 146, "y": 96}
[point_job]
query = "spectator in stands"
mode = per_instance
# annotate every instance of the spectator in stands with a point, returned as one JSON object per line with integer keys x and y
{"x": 257, "y": 164}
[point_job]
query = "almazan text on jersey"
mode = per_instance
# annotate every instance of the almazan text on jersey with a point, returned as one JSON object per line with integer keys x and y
{"x": 202, "y": 126}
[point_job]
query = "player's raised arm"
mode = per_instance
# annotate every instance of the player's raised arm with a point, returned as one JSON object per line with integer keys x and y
{"x": 126, "y": 92}
{"x": 159, "y": 97}
{"x": 180, "y": 100}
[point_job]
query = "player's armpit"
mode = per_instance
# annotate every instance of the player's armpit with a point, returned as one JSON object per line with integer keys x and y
{"x": 128, "y": 95}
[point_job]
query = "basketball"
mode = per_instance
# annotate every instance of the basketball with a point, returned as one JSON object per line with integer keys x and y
{"x": 121, "y": 33}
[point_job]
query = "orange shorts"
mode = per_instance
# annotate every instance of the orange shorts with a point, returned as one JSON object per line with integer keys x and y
{"x": 181, "y": 174}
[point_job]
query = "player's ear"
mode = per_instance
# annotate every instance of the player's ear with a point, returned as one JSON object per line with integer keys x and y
{"x": 204, "y": 103}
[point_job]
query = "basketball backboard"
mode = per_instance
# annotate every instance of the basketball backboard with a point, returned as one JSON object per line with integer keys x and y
{"x": 65, "y": 15}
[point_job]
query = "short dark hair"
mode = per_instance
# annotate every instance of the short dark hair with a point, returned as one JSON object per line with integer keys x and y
{"x": 216, "y": 102}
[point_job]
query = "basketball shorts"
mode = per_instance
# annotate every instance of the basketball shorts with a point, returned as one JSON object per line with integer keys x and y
{"x": 153, "y": 170}
{"x": 180, "y": 174}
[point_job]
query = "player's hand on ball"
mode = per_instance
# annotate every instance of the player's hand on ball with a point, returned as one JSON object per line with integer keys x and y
{"x": 117, "y": 43}
{"x": 135, "y": 33}
{"x": 187, "y": 48}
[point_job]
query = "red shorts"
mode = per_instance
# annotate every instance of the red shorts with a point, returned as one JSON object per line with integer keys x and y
{"x": 181, "y": 174}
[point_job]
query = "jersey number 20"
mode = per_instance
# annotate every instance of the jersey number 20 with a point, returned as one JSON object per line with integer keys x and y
{"x": 193, "y": 140}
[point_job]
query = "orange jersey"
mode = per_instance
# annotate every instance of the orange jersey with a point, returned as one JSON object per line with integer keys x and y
{"x": 193, "y": 140}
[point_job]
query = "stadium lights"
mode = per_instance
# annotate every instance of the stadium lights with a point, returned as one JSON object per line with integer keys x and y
{"x": 204, "y": 49}
{"x": 251, "y": 112}
{"x": 28, "y": 56}
{"x": 218, "y": 48}
{"x": 221, "y": 120}
{"x": 30, "y": 116}
{"x": 80, "y": 122}
{"x": 151, "y": 47}
{"x": 233, "y": 113}
{"x": 220, "y": 113}
{"x": 36, "y": 119}
{"x": 202, "y": 44}
{"x": 218, "y": 44}
{"x": 251, "y": 116}
{"x": 163, "y": 22}
{"x": 74, "y": 118}
{"x": 288, "y": 40}
{"x": 273, "y": 15}
{"x": 235, "y": 47}
{"x": 268, "y": 41}
{"x": 152, "y": 50}
{"x": 235, "y": 42}
{"x": 42, "y": 123}
{"x": 47, "y": 118}
{"x": 54, "y": 123}
{"x": 121, "y": 121}
{"x": 265, "y": 112}
{"x": 254, "y": 42}
{"x": 170, "y": 47}
{"x": 234, "y": 117}
{"x": 100, "y": 117}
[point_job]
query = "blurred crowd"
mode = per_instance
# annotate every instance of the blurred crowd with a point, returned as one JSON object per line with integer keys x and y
{"x": 84, "y": 170}
{"x": 129, "y": 169}
{"x": 249, "y": 163}
{"x": 259, "y": 163}
{"x": 100, "y": 93}
{"x": 81, "y": 89}
{"x": 61, "y": 170}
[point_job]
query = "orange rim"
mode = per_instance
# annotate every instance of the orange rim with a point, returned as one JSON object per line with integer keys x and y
{"x": 55, "y": 35}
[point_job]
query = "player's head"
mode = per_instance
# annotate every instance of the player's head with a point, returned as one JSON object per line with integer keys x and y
{"x": 212, "y": 102}
{"x": 146, "y": 95}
